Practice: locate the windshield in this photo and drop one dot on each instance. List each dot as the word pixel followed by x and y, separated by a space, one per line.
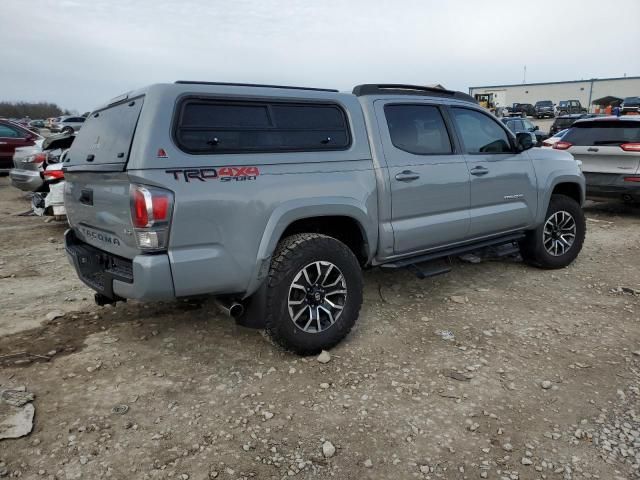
pixel 544 103
pixel 606 132
pixel 632 101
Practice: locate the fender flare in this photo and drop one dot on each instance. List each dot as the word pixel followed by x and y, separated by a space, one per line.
pixel 557 180
pixel 299 209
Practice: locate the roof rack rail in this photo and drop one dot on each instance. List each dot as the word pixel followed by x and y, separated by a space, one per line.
pixel 227 84
pixel 401 89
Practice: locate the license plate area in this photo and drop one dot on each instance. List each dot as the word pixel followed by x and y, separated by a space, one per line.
pixel 98 268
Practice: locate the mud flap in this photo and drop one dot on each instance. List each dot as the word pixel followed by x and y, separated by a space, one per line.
pixel 254 309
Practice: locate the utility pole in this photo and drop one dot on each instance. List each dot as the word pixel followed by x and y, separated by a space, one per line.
pixel 524 76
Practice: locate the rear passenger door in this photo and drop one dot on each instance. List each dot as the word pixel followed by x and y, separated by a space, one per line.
pixel 503 183
pixel 429 178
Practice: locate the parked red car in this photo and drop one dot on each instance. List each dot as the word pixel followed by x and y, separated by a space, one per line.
pixel 12 136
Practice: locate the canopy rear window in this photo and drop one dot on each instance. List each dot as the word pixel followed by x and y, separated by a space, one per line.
pixel 106 135
pixel 605 132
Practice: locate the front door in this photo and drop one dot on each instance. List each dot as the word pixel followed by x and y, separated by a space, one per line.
pixel 429 178
pixel 503 182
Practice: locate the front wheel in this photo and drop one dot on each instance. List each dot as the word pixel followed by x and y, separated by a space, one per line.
pixel 314 293
pixel 558 241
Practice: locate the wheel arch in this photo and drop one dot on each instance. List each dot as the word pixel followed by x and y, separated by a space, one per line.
pixel 342 218
pixel 570 189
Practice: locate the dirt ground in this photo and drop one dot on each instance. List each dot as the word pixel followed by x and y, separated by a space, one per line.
pixel 496 370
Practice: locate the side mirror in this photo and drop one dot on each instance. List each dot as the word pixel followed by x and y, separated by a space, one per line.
pixel 524 141
pixel 536 128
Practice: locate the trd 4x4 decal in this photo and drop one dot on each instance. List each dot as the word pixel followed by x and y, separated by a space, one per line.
pixel 224 174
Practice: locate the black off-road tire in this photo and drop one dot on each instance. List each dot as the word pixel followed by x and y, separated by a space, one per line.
pixel 532 247
pixel 291 256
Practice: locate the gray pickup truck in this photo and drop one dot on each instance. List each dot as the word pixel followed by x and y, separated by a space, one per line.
pixel 274 198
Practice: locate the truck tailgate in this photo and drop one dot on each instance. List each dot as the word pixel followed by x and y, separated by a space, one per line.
pixel 99 211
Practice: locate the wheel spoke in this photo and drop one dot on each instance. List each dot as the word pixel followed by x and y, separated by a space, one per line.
pixel 306 276
pixel 333 305
pixel 335 292
pixel 328 312
pixel 299 314
pixel 564 241
pixel 299 287
pixel 306 327
pixel 326 275
pixel 333 284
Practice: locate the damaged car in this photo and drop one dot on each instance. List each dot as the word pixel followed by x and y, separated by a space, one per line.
pixel 30 163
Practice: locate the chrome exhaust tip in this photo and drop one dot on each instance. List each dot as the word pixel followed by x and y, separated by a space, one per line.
pixel 231 309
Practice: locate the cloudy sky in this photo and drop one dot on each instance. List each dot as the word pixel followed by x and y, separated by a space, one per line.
pixel 79 53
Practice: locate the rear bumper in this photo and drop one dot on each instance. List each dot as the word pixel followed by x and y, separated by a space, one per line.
pixel 26 180
pixel 612 185
pixel 145 277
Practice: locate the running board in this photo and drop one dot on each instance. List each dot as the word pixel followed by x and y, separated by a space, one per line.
pixel 412 261
pixel 432 271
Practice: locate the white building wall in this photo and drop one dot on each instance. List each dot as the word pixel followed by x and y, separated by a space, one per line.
pixel 582 90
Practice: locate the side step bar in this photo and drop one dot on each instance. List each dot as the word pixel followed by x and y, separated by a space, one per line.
pixel 412 262
pixel 429 271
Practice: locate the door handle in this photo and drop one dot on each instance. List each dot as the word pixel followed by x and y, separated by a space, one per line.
pixel 479 171
pixel 407 176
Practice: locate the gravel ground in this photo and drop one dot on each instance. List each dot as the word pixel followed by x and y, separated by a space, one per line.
pixel 496 370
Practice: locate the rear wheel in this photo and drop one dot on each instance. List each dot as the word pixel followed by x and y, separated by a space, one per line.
pixel 67 130
pixel 558 241
pixel 314 293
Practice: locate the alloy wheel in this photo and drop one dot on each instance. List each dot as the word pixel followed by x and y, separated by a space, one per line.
pixel 317 297
pixel 559 233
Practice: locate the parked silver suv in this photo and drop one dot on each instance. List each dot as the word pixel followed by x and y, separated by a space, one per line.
pixel 68 124
pixel 273 198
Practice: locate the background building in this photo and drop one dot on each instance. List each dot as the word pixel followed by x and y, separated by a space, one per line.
pixel 584 90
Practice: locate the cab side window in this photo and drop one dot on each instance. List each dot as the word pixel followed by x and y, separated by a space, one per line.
pixel 480 133
pixel 418 129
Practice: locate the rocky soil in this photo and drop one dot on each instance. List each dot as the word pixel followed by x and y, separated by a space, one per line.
pixel 496 370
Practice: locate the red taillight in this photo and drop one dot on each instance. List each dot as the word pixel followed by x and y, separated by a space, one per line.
pixel 632 179
pixel 53 174
pixel 139 208
pixel 150 206
pixel 562 145
pixel 37 158
pixel 160 207
pixel 630 147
